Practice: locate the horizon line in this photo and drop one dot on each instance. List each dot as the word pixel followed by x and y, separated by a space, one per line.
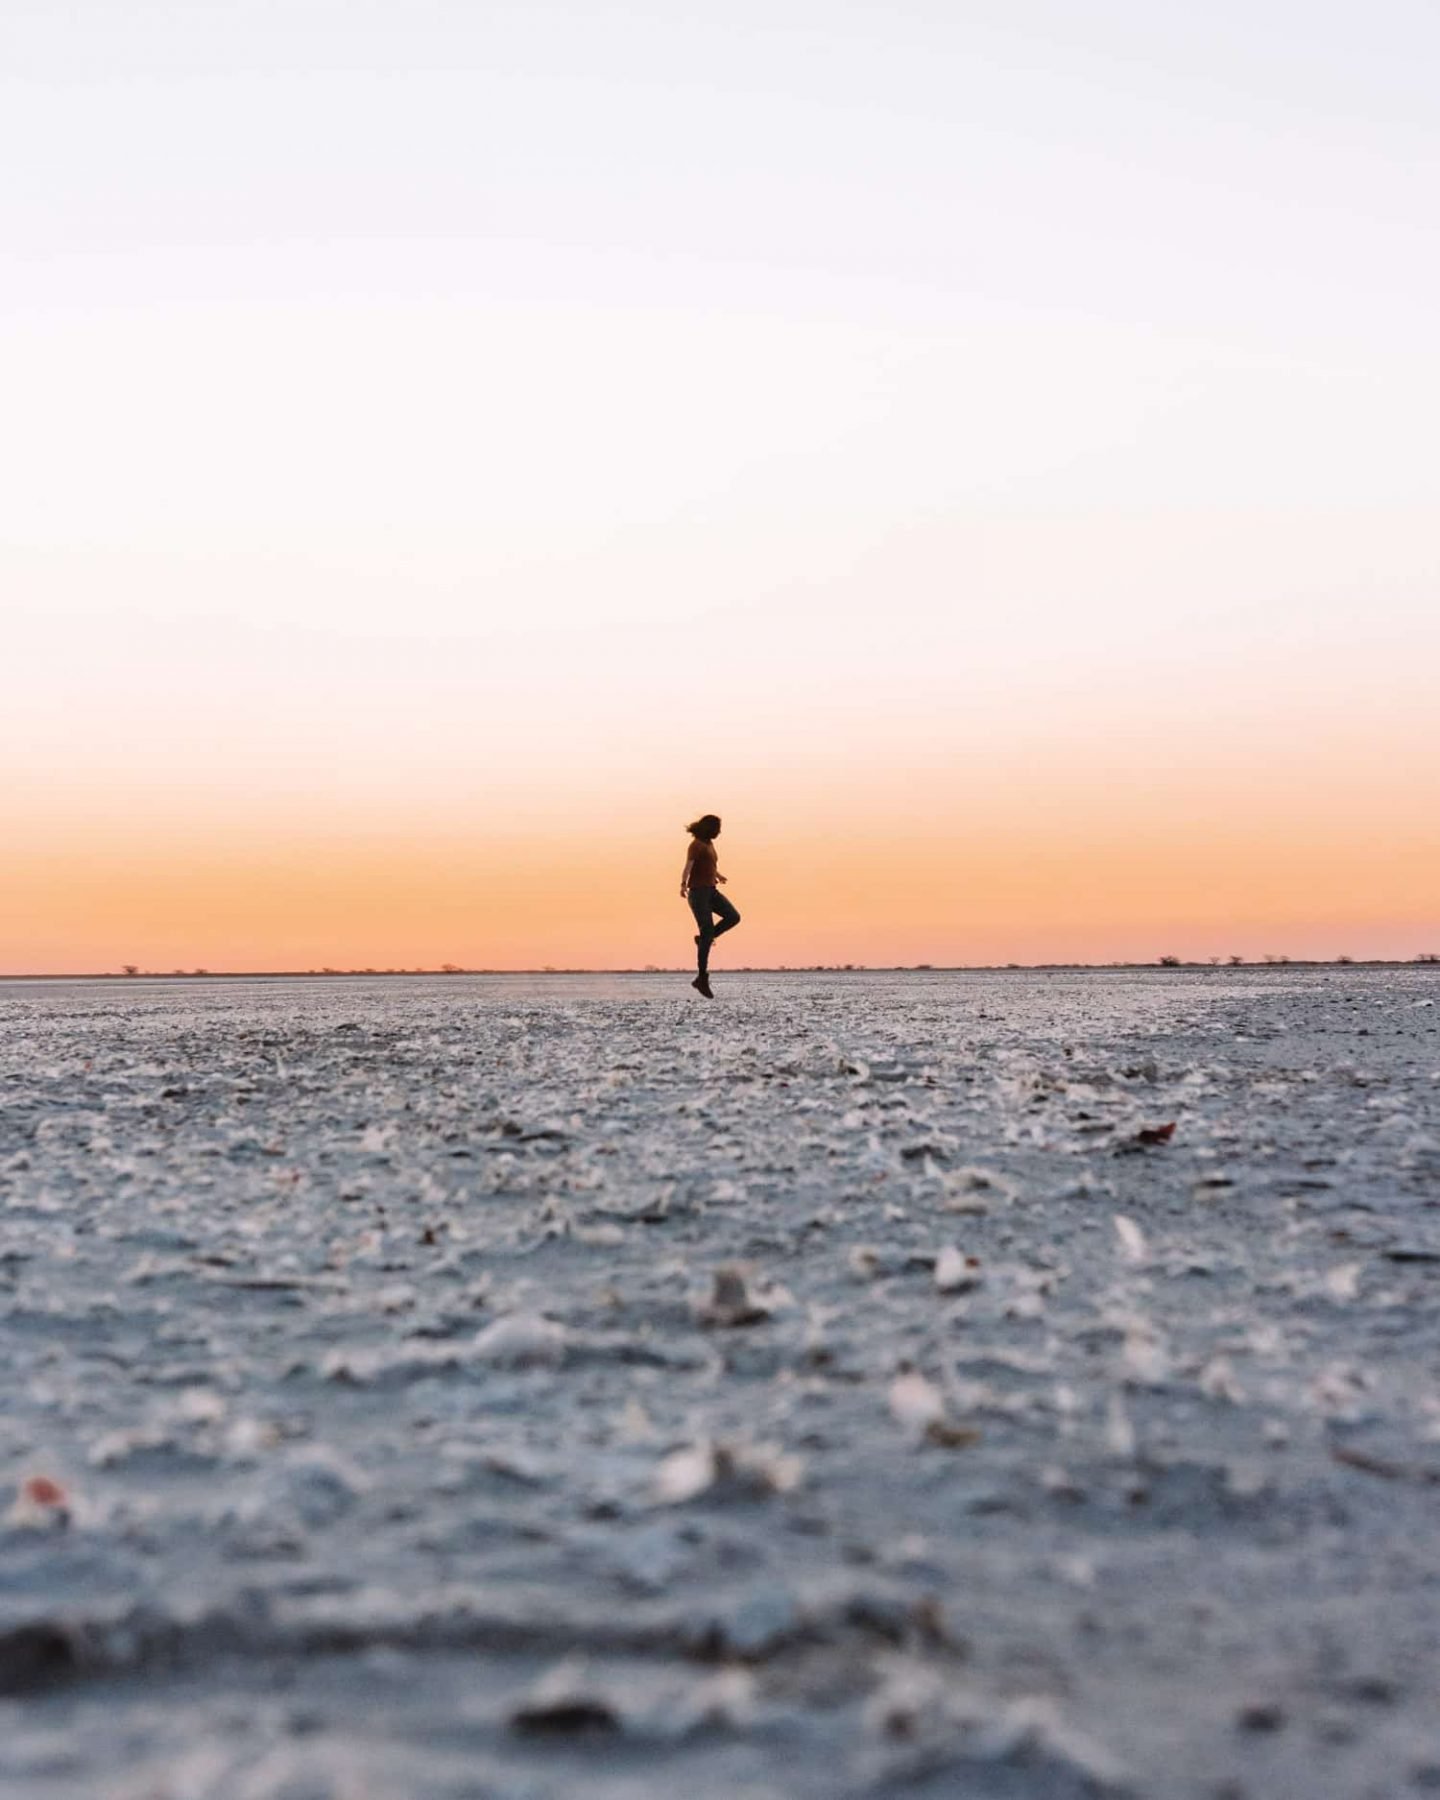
pixel 1423 959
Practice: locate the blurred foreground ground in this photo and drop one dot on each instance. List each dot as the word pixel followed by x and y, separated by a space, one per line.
pixel 516 1388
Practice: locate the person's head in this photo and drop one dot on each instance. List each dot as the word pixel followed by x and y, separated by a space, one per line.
pixel 706 828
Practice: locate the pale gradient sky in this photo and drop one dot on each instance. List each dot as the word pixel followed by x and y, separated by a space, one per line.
pixel 983 450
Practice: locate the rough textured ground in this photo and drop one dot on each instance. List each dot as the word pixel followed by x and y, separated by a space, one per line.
pixel 527 1389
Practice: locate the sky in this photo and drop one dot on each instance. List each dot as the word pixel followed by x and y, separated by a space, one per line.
pixel 982 449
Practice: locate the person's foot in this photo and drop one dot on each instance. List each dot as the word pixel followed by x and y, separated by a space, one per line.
pixel 701 985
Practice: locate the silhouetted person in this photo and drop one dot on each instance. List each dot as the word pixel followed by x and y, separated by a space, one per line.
pixel 700 885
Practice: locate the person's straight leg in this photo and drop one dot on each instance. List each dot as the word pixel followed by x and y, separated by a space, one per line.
pixel 702 904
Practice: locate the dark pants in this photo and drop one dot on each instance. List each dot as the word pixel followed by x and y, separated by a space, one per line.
pixel 706 903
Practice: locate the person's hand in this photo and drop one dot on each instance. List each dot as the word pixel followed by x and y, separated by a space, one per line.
pixel 684 893
pixel 720 878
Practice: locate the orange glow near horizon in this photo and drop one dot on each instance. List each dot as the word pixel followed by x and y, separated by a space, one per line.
pixel 1155 813
pixel 1142 821
pixel 1009 880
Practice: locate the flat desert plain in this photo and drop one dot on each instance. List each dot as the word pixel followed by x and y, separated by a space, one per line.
pixel 525 1388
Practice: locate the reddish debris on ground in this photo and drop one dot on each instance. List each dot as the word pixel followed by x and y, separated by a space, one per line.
pixel 40 1490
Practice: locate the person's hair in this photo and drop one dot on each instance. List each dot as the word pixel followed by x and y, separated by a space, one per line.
pixel 705 827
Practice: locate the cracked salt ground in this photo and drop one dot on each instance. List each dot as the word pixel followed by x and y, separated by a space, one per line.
pixel 524 1388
